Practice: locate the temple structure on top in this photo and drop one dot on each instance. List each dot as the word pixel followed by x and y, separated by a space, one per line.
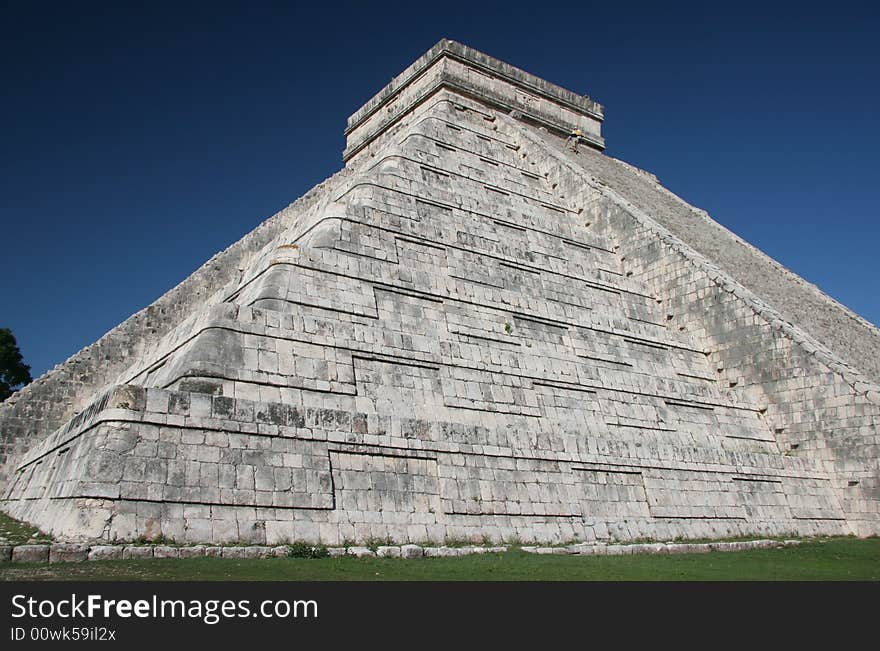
pixel 496 85
pixel 470 331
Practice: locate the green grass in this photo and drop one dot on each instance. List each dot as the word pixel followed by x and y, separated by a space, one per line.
pixel 827 559
pixel 15 532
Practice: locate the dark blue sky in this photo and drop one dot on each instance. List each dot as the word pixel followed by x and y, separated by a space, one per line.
pixel 138 142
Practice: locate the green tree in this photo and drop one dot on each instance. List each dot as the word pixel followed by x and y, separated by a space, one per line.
pixel 14 373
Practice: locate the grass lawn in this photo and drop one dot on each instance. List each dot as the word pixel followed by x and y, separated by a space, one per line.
pixel 825 559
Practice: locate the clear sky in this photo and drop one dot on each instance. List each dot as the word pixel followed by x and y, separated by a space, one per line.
pixel 138 142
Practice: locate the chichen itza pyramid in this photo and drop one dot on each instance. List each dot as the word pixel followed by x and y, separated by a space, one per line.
pixel 469 332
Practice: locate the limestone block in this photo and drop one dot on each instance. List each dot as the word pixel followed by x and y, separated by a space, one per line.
pixel 260 551
pixel 473 549
pixel 68 553
pixel 548 550
pixel 649 548
pixel 361 552
pixel 687 548
pixel 252 551
pixel 442 552
pixel 584 549
pixel 30 554
pixel 724 546
pixel 194 551
pixel 105 553
pixel 411 551
pixel 132 552
pixel 197 530
pixel 165 551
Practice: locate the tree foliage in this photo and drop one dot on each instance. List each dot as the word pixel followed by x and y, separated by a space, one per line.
pixel 14 373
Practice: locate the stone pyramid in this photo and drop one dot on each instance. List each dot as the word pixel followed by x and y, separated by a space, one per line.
pixel 469 332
